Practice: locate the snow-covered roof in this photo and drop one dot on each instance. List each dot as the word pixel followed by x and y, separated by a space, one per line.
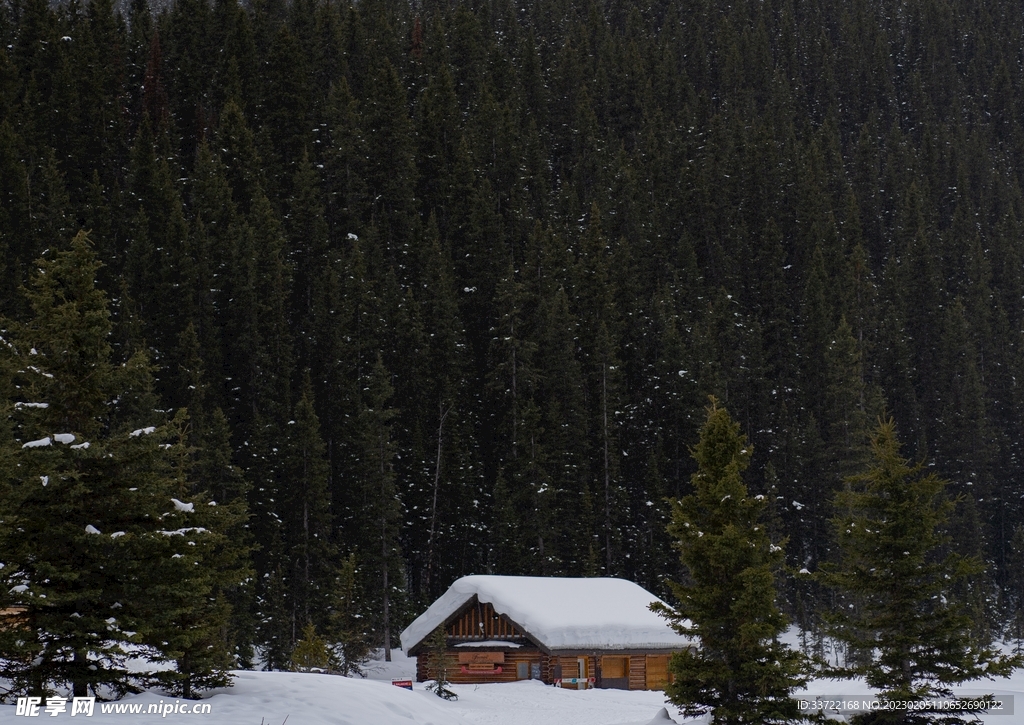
pixel 559 613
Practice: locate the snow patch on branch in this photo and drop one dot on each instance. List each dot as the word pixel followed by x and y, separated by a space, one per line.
pixel 182 532
pixel 182 506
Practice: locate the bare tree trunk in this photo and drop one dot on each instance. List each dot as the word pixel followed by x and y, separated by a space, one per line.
pixel 387 607
pixel 515 395
pixel 607 473
pixel 80 687
pixel 384 560
pixel 437 485
pixel 305 546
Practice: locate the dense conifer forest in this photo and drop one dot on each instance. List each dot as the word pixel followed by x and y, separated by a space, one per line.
pixel 445 286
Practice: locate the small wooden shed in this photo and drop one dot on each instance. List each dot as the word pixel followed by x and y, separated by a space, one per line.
pixel 572 632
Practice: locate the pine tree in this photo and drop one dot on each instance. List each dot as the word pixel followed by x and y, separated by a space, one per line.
pixel 897 582
pixel 153 261
pixel 390 168
pixel 212 474
pixel 512 387
pixel 565 494
pixel 305 509
pixel 15 214
pixel 1015 590
pixel 342 152
pixel 440 662
pixel 740 672
pixel 345 627
pixel 13 645
pixel 380 506
pixel 446 416
pixel 85 538
pixel 311 653
pixel 284 112
pixel 205 560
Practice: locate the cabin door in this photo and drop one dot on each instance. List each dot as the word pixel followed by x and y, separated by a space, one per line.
pixel 581 681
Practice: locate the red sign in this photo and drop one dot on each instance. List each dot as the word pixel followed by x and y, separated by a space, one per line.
pixel 407 684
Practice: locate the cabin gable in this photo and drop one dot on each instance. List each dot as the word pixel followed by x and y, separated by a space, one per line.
pixel 478 622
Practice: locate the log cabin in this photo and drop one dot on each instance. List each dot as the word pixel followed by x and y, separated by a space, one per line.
pixel 12 617
pixel 576 633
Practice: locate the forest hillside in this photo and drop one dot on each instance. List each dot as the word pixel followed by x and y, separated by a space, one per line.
pixel 445 286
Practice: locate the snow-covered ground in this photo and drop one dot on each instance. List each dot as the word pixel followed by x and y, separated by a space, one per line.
pixel 285 698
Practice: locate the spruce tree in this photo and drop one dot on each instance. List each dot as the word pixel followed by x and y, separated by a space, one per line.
pixel 897 581
pixel 200 573
pixel 311 653
pixel 740 672
pixel 440 663
pixel 305 509
pixel 88 548
pixel 448 426
pixel 381 507
pixel 1014 599
pixel 512 385
pixel 345 626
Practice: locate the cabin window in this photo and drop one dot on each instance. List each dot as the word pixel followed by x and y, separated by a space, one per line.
pixel 657 672
pixel 614 672
pixel 614 667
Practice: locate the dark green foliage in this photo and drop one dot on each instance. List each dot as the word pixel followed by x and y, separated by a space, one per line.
pixel 97 550
pixel 376 533
pixel 304 552
pixel 1015 590
pixel 739 671
pixel 559 226
pixel 311 653
pixel 907 625
pixel 440 662
pixel 199 629
pixel 345 629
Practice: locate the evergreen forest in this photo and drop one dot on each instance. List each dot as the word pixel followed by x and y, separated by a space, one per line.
pixel 414 290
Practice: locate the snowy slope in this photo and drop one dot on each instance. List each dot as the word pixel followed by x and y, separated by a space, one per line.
pixel 271 698
pixel 560 612
pixel 310 699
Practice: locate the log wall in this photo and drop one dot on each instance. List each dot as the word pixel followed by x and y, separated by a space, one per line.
pixel 481 622
pixel 474 674
pixel 637 672
pixel 465 674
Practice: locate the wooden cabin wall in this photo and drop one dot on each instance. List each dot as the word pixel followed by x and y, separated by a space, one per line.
pixel 424 670
pixel 637 672
pixel 570 669
pixel 481 622
pixel 563 667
